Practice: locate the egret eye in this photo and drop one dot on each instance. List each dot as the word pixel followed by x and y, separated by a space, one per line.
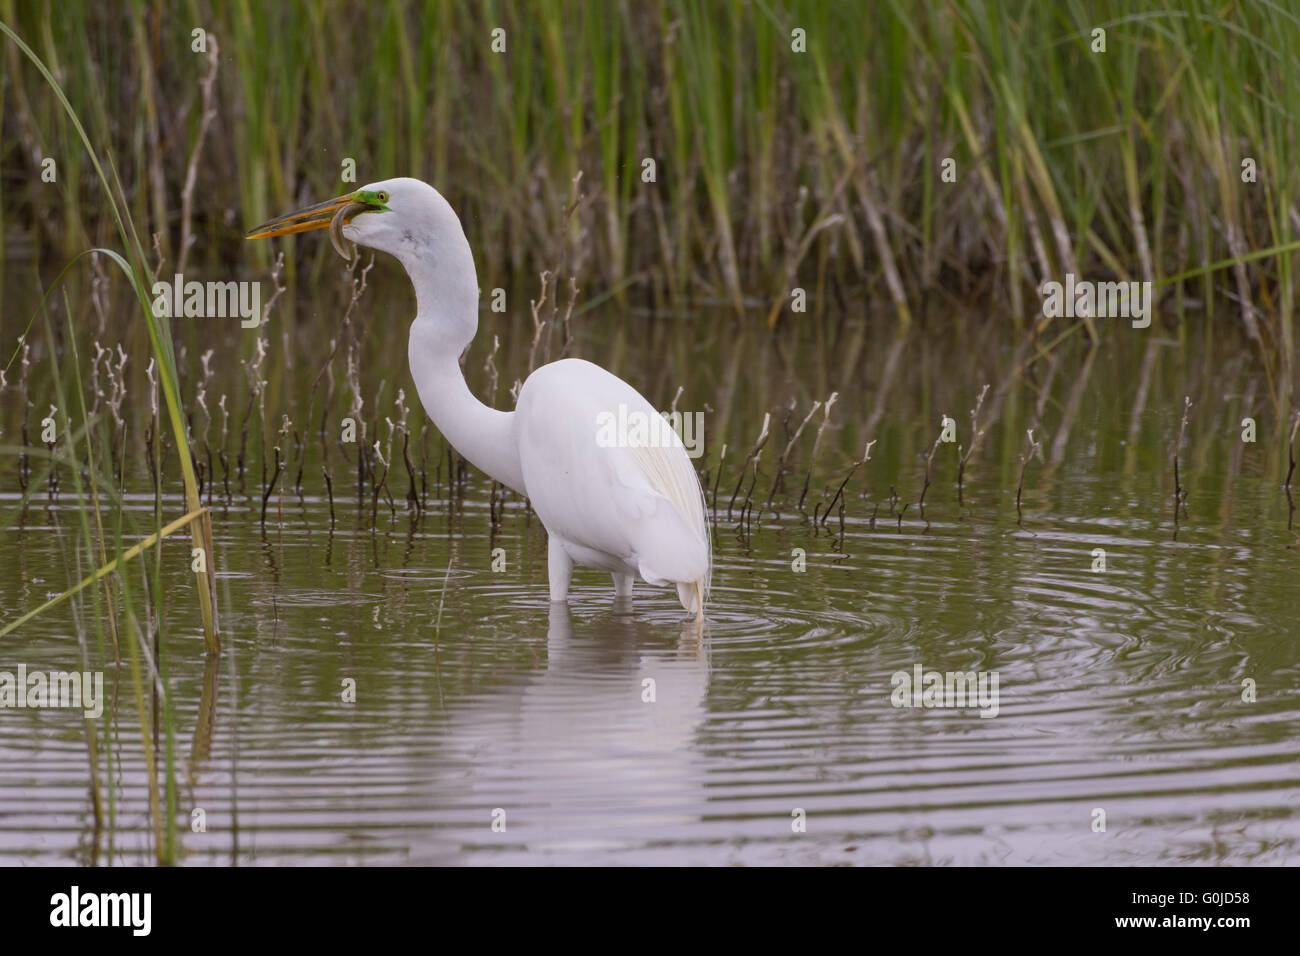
pixel 383 196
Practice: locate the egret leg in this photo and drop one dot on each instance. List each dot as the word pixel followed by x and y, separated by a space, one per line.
pixel 559 567
pixel 622 585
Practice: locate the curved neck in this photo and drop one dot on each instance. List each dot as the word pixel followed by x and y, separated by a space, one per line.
pixel 446 294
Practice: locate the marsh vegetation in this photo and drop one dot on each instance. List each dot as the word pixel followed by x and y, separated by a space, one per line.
pixel 198 521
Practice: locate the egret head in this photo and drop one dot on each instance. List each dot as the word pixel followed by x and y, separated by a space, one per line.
pixel 408 219
pixel 403 217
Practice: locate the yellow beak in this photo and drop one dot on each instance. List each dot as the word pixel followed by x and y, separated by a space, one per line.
pixel 311 218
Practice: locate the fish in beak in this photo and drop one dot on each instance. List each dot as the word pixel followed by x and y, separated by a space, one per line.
pixel 331 214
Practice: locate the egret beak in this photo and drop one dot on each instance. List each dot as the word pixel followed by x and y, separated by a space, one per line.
pixel 311 218
pixel 334 214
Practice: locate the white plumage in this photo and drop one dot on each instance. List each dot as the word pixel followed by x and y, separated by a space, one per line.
pixel 633 509
pixel 627 509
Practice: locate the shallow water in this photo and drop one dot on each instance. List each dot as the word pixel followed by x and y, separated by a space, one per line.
pixel 1118 690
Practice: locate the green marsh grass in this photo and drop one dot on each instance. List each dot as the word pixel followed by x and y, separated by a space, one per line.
pixel 1123 163
pixel 92 492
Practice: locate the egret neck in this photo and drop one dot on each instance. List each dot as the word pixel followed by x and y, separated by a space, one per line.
pixel 633 509
pixel 446 319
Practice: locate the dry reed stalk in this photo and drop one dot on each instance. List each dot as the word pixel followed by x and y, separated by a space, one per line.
pixel 977 433
pixel 839 492
pixel 751 457
pixel 1031 447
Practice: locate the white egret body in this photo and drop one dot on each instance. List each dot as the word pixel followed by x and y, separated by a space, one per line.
pixel 632 508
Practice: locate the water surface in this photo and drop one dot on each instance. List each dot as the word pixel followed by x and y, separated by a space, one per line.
pixel 1119 690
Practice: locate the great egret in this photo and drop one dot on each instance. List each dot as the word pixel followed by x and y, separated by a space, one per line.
pixel 632 507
